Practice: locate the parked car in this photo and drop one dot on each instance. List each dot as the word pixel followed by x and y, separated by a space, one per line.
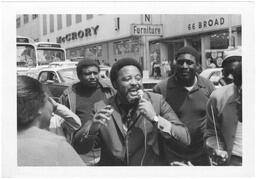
pixel 213 74
pixel 149 83
pixel 104 71
pixel 63 63
pixel 58 79
pixel 76 59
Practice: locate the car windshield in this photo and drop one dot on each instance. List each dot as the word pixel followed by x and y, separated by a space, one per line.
pixel 68 75
pixel 47 56
pixel 26 56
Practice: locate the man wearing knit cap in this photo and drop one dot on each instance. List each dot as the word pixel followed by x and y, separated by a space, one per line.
pixel 223 136
pixel 130 124
pixel 187 93
pixel 80 98
pixel 232 58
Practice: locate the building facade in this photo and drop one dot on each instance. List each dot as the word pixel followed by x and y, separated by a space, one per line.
pixel 211 35
pixel 107 38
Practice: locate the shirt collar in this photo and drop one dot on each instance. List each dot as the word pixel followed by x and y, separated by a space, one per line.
pixel 172 83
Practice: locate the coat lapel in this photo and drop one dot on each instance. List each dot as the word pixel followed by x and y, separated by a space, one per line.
pixel 117 118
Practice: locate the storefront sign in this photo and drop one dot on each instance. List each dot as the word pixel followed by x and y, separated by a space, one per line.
pixel 215 22
pixel 87 32
pixel 146 29
pixel 146 19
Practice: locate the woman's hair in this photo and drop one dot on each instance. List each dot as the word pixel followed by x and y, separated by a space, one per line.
pixel 30 98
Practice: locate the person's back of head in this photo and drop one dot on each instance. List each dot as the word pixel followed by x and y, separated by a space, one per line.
pixel 30 98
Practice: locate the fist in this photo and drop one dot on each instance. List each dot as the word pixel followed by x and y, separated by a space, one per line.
pixel 102 117
pixel 146 108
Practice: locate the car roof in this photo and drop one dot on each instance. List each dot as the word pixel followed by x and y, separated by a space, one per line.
pixel 150 80
pixel 208 71
pixel 58 68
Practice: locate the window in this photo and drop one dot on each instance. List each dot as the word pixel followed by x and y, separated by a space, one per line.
pixel 93 52
pixel 68 20
pixel 43 77
pixel 34 16
pixel 219 40
pixel 59 21
pixel 78 18
pixel 18 22
pixel 25 18
pixel 89 16
pixel 51 23
pixel 126 47
pixel 44 25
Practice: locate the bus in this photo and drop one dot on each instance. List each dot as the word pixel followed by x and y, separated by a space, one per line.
pixel 33 56
pixel 48 52
pixel 26 54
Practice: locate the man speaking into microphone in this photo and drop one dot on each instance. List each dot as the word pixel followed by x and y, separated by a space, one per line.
pixel 131 124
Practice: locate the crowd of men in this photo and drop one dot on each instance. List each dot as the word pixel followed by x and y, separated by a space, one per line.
pixel 184 121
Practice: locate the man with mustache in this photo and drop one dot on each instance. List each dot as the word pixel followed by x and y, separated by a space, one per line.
pixel 80 98
pixel 130 123
pixel 224 118
pixel 187 93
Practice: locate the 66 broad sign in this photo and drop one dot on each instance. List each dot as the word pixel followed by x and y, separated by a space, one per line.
pixel 146 29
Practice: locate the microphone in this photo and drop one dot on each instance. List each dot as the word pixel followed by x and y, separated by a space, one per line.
pixel 140 93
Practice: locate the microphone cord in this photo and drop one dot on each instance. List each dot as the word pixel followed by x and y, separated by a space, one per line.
pixel 145 142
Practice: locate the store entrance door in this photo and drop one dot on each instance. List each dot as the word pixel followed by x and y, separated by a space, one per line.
pixel 195 42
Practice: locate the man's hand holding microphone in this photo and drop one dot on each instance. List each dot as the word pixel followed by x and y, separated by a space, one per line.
pixel 146 109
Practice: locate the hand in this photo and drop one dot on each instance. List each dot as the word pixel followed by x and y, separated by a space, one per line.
pixel 218 157
pixel 102 117
pixel 54 104
pixel 146 108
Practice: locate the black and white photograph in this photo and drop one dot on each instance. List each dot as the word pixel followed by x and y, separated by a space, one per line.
pixel 129 94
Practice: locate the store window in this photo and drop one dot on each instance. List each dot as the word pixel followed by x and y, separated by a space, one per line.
pixel 68 19
pixel 51 23
pixel 219 40
pixel 18 22
pixel 59 21
pixel 126 47
pixel 93 52
pixel 78 18
pixel 25 16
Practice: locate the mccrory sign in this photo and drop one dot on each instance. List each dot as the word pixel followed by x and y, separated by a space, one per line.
pixel 87 32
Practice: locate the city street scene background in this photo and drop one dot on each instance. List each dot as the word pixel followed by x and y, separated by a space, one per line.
pixel 52 47
pixel 145 37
